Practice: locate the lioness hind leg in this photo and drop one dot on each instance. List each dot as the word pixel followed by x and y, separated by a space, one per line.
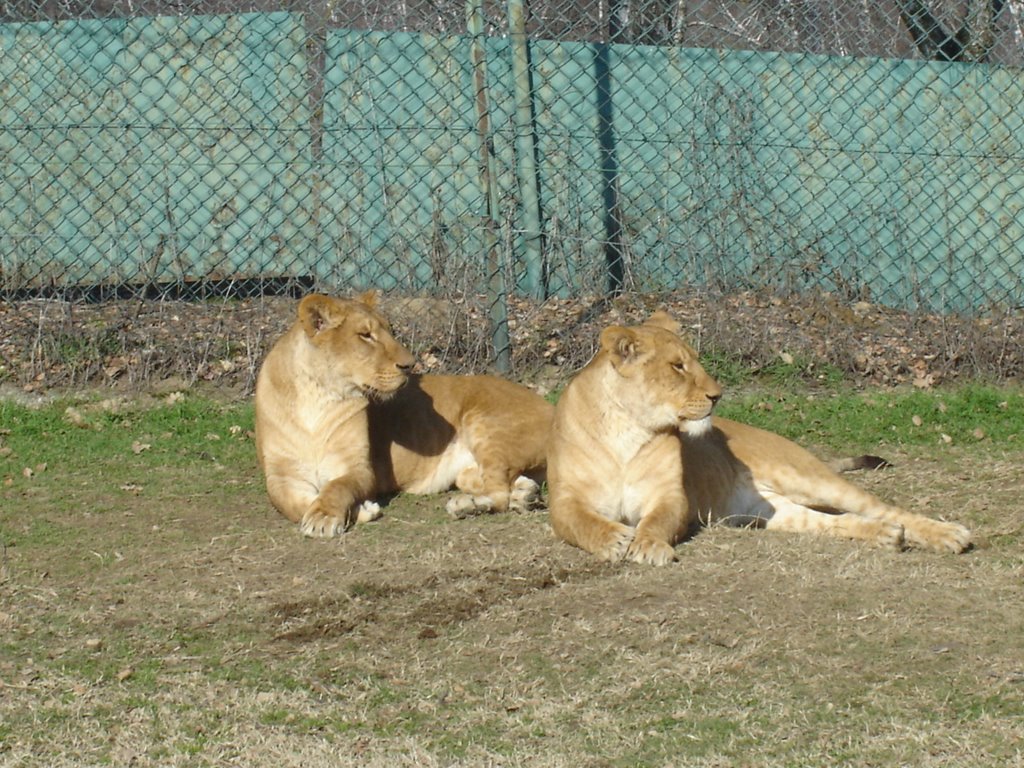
pixel 787 515
pixel 817 486
pixel 525 495
pixel 484 490
pixel 918 530
pixel 921 531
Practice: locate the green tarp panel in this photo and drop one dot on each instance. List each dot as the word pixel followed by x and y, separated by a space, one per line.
pixel 154 149
pixel 185 148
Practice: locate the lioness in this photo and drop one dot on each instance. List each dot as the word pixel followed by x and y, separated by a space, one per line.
pixel 637 461
pixel 340 420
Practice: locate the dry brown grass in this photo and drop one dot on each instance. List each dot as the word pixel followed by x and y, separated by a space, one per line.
pixel 189 625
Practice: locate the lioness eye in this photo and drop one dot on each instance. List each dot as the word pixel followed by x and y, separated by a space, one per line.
pixel 367 336
pixel 679 367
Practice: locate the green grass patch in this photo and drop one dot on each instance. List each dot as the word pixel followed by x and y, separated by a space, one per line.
pixel 965 415
pixel 791 370
pixel 286 717
pixel 194 430
pixel 69 436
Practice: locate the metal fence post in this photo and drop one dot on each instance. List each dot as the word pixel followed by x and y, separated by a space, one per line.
pixel 526 153
pixel 496 288
pixel 614 261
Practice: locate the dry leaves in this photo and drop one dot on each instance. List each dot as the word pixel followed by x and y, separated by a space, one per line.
pixel 923 379
pixel 162 341
pixel 76 418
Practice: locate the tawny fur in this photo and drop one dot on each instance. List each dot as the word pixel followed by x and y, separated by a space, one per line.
pixel 479 434
pixel 637 462
pixel 340 422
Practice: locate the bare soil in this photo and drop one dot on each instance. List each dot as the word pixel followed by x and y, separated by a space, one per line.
pixel 188 624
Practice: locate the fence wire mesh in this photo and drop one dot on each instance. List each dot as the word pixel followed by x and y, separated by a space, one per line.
pixel 869 149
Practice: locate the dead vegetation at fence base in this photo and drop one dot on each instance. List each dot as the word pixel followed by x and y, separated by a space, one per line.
pixel 139 344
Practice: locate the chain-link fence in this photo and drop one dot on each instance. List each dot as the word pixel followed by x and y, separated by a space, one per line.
pixel 874 150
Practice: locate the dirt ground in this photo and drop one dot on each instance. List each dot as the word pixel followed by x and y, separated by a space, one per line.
pixel 187 624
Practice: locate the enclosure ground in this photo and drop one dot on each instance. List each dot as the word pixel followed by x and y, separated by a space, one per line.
pixel 155 611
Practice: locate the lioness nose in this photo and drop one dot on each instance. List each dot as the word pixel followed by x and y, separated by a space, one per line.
pixel 405 367
pixel 714 397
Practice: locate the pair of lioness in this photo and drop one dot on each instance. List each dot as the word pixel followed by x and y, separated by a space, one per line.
pixel 633 456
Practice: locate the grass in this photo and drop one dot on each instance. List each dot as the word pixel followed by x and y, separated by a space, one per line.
pixel 111 436
pixel 968 414
pixel 790 371
pixel 155 611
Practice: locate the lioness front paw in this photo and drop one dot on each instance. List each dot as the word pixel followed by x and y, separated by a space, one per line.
pixel 317 525
pixel 617 543
pixel 463 505
pixel 525 495
pixel 651 551
pixel 938 535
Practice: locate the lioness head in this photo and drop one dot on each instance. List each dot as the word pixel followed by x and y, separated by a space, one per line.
pixel 352 347
pixel 663 383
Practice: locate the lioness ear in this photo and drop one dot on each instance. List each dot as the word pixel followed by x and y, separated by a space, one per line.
pixel 621 343
pixel 317 312
pixel 369 298
pixel 662 319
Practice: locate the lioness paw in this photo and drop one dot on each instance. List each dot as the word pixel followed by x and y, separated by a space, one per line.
pixel 525 495
pixel 617 544
pixel 651 552
pixel 938 535
pixel 317 525
pixel 463 505
pixel 890 535
pixel 368 512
